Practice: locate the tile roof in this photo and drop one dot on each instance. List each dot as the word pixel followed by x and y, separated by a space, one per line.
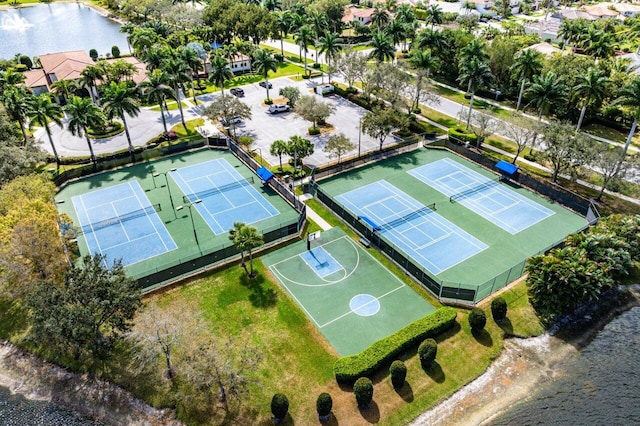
pixel 65 65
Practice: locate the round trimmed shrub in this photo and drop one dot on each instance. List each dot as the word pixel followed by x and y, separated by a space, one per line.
pixel 115 51
pixel 93 53
pixel 477 320
pixel 268 101
pixel 398 374
pixel 314 131
pixel 324 404
pixel 499 309
pixel 279 406
pixel 26 61
pixel 427 352
pixel 363 389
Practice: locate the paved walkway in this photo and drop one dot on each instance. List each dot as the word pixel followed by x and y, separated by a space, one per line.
pixel 313 215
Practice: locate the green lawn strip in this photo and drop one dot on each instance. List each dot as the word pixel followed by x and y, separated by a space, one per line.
pixel 611 134
pixel 171 106
pixel 191 127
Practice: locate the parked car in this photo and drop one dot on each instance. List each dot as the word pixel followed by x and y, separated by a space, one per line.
pixel 236 91
pixel 230 121
pixel 276 109
pixel 264 84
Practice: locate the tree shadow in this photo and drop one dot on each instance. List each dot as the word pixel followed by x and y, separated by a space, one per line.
pixel 333 420
pixel 483 337
pixel 262 296
pixel 405 392
pixel 506 326
pixel 435 372
pixel 371 414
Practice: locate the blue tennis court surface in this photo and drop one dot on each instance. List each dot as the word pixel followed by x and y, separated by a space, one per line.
pixel 120 222
pixel 320 262
pixel 500 205
pixel 431 240
pixel 226 196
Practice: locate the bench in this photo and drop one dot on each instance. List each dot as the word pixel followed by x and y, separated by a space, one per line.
pixel 365 242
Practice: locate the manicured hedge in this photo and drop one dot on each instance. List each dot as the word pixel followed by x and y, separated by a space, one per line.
pixel 348 369
pixel 462 136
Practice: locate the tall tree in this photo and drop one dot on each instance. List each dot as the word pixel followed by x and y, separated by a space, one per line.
pixel 630 98
pixel 64 88
pixel 247 238
pixel 338 145
pixel 423 62
pixel 220 72
pixel 547 90
pixel 157 89
pixel 83 113
pixel 90 313
pixel 382 47
pixel 194 61
pixel 265 62
pixel 434 15
pixel 379 123
pixel 299 148
pixel 178 73
pixel 565 149
pixel 591 90
pixel 527 64
pixel 318 22
pixel 15 100
pixel 476 73
pixel 380 17
pixel 41 110
pixel 330 45
pixel 475 49
pixel 283 20
pixel 89 78
pixel 120 101
pixel 352 65
pixel 311 109
pixel 303 38
pixel 279 148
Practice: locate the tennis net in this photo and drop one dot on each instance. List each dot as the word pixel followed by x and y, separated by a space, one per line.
pixel 95 226
pixel 468 192
pixel 217 190
pixel 398 221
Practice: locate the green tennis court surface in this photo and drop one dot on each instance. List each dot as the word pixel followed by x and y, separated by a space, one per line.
pixel 352 299
pixel 513 222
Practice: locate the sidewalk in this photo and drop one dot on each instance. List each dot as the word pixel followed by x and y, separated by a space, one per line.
pixel 313 215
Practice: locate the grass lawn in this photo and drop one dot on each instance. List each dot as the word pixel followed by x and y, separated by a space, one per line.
pixel 611 134
pixel 190 130
pixel 171 106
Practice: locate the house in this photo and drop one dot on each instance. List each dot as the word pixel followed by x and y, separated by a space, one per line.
pixel 353 13
pixel 544 48
pixel 36 80
pixel 240 63
pixel 546 30
pixel 626 10
pixel 598 11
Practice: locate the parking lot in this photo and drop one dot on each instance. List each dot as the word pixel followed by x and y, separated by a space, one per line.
pixel 266 128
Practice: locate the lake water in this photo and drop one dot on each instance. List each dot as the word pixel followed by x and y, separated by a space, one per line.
pixel 52 28
pixel 15 410
pixel 600 385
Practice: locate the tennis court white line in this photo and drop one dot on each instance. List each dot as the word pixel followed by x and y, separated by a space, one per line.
pixel 148 216
pixel 351 312
pixel 298 255
pixel 93 232
pixel 277 273
pixel 335 261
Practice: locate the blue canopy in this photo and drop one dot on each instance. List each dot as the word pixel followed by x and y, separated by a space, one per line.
pixel 215 45
pixel 264 174
pixel 369 222
pixel 506 168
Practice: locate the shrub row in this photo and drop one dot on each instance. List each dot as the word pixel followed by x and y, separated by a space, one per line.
pixel 461 135
pixel 348 369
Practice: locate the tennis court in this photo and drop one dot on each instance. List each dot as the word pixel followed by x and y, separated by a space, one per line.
pixel 120 222
pixel 486 197
pixel 223 196
pixel 348 295
pixel 415 228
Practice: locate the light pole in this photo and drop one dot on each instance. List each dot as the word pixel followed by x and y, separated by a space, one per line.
pixel 166 179
pixel 193 225
pixel 260 153
pixel 359 135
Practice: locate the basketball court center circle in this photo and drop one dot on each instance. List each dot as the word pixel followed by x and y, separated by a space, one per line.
pixel 364 305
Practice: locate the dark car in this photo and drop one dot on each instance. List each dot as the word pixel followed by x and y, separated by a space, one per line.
pixel 264 84
pixel 236 91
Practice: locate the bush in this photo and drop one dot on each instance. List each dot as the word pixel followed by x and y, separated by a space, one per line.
pixel 398 373
pixel 427 353
pixel 278 57
pixel 115 51
pixel 268 101
pixel 93 53
pixel 111 129
pixel 363 389
pixel 461 135
pixel 316 65
pixel 498 309
pixel 314 131
pixel 26 61
pixel 245 140
pixel 324 404
pixel 367 362
pixel 279 406
pixel 20 67
pixel 477 320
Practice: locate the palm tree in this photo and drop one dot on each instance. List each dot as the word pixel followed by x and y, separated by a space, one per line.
pixel 120 101
pixel 41 110
pixel 246 238
pixel 89 78
pixel 396 31
pixel 283 22
pixel 10 78
pixel 434 15
pixel 379 17
pixel 598 43
pixel 178 72
pixel 142 39
pixel 318 22
pixel 191 58
pixel 83 113
pixel 407 17
pixel 279 148
pixel 331 46
pixel 571 30
pixel 476 73
pixel 64 88
pixel 475 49
pixel 547 90
pixel 591 90
pixel 431 39
pixel 154 58
pixel 424 62
pixel 382 47
pixel 272 5
pixel 527 64
pixel 14 99
pixel 265 62
pixel 303 38
pixel 220 72
pixel 630 97
pixel 157 89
